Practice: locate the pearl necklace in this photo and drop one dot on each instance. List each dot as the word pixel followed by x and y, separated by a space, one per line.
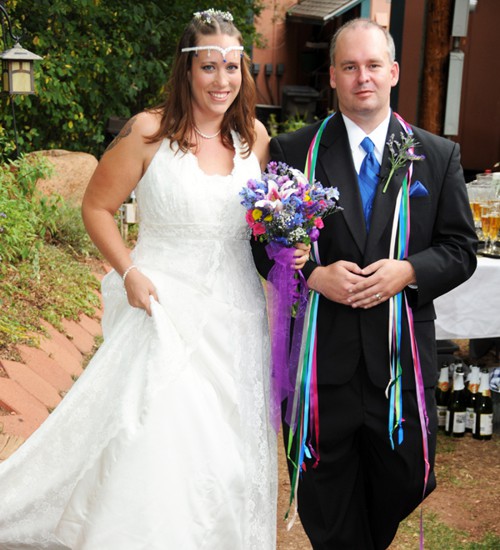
pixel 206 136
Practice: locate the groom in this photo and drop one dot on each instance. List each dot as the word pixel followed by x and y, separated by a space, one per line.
pixel 362 487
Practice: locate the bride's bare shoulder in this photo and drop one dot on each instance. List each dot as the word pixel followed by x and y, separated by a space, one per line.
pixel 135 136
pixel 146 123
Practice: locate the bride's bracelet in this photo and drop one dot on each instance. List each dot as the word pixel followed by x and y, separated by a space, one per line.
pixel 127 271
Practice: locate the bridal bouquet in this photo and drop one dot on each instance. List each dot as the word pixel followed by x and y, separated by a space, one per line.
pixel 283 209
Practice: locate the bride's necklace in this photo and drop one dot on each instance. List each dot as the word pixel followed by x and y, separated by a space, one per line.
pixel 206 136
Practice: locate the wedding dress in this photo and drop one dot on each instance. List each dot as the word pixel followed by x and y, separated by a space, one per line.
pixel 164 442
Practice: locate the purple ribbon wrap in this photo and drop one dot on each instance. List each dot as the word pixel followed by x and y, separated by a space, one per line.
pixel 285 287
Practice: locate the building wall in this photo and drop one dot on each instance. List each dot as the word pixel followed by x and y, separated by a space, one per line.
pixel 411 60
pixel 479 129
pixel 479 125
pixel 275 48
pixel 380 11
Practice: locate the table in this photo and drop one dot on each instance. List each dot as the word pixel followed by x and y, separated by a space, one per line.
pixel 471 310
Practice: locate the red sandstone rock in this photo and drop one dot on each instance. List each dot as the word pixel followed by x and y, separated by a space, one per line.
pixel 72 172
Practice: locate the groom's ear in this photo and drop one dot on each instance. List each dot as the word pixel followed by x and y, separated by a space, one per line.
pixel 394 73
pixel 333 82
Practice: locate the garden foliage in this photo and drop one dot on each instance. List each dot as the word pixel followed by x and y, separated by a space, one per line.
pixel 43 250
pixel 100 58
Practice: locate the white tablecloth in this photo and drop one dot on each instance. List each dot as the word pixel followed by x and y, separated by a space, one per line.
pixel 472 310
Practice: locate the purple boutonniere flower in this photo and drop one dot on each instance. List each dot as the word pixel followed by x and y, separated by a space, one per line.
pixel 400 153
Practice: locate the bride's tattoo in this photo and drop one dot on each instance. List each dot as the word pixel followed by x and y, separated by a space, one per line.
pixel 124 132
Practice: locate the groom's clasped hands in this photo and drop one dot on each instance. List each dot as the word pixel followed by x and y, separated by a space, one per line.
pixel 349 284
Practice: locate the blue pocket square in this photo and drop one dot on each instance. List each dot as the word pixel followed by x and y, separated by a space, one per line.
pixel 417 189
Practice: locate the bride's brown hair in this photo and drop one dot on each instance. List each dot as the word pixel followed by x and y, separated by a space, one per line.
pixel 176 110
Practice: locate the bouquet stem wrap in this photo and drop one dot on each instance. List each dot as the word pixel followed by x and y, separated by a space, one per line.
pixel 285 288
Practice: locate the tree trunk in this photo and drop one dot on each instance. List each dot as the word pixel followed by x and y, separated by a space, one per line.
pixel 435 73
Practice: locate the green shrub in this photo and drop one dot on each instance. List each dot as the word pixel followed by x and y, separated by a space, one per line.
pixel 26 216
pixel 289 125
pixel 70 232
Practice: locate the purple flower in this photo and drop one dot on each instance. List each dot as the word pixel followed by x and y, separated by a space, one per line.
pixel 314 234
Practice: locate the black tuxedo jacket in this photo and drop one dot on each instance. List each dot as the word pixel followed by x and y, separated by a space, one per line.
pixel 442 248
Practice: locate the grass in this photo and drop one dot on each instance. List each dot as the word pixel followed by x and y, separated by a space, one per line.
pixel 439 536
pixel 467 473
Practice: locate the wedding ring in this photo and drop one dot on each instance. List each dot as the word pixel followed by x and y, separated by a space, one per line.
pixel 378 296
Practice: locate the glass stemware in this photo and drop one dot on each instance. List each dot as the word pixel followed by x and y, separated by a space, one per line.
pixel 480 195
pixel 474 205
pixel 494 227
pixel 485 209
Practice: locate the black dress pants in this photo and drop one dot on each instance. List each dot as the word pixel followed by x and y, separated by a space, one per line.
pixel 362 488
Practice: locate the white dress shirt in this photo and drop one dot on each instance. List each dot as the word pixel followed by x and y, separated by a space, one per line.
pixel 356 136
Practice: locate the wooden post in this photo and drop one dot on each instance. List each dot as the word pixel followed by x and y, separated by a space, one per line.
pixel 435 74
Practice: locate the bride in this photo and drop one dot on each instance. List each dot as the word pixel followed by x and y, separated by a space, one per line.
pixel 165 442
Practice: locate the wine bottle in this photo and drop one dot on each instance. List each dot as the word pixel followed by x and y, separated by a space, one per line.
pixel 472 390
pixel 443 394
pixel 455 414
pixel 483 425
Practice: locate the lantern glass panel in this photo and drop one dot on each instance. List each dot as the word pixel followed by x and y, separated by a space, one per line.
pixel 21 82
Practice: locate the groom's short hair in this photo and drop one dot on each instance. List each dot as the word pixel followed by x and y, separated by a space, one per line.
pixel 364 23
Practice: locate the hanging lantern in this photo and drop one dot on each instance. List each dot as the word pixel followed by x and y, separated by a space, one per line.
pixel 17 70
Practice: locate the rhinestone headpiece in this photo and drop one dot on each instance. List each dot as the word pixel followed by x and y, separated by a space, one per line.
pixel 222 51
pixel 207 15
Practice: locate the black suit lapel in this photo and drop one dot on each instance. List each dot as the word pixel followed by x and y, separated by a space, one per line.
pixel 385 203
pixel 336 169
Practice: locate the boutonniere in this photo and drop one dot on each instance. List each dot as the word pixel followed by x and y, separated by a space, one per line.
pixel 400 153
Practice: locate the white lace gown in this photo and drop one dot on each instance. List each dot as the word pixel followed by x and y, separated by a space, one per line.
pixel 164 442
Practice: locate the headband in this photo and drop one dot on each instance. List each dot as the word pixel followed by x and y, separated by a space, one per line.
pixel 222 51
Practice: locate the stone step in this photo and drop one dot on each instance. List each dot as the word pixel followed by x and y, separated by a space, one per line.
pixel 90 325
pixel 27 412
pixel 40 363
pixel 46 373
pixel 56 347
pixel 83 340
pixel 32 382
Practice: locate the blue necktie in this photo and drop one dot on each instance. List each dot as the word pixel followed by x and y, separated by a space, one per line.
pixel 368 179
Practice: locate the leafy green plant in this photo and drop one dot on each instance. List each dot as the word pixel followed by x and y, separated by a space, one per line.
pixel 70 233
pixel 7 145
pixel 26 215
pixel 289 125
pixel 43 248
pixel 99 59
pixel 294 123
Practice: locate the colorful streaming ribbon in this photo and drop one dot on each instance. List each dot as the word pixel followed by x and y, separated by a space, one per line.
pixel 302 412
pixel 400 238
